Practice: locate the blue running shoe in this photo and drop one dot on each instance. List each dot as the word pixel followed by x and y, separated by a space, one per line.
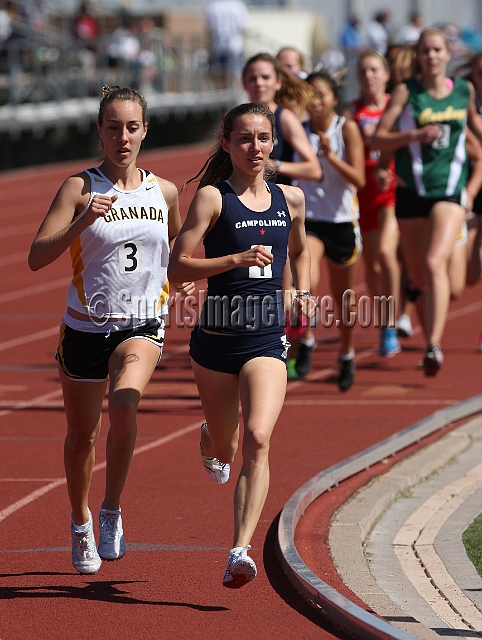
pixel 389 343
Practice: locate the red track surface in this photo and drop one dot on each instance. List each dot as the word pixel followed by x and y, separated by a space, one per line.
pixel 178 523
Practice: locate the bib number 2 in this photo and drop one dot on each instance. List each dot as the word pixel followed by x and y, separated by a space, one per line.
pixel 130 257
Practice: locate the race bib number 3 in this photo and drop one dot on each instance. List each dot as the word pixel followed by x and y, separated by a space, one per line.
pixel 258 272
pixel 130 254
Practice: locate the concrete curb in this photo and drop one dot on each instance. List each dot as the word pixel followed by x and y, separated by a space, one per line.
pixel 330 602
pixel 354 521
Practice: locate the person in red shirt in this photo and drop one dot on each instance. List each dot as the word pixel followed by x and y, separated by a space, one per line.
pixel 378 223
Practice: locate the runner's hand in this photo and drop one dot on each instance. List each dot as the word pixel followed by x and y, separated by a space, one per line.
pixel 255 257
pixel 99 207
pixel 185 288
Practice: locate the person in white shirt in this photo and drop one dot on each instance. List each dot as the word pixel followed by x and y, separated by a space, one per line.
pixel 227 21
pixel 377 32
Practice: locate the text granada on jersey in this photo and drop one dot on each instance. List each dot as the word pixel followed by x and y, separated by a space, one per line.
pixel 132 213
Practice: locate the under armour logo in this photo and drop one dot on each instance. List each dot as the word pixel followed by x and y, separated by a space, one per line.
pixel 281 213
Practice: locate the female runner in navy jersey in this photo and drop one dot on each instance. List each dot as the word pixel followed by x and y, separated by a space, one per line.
pixel 118 221
pixel 263 78
pixel 238 349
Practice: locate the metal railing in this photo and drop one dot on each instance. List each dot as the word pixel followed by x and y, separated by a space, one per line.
pixel 35 68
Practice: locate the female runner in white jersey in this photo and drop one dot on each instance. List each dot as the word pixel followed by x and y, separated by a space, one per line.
pixel 247 225
pixel 118 222
pixel 332 207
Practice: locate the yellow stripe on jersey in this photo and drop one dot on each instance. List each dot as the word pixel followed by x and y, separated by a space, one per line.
pixel 164 295
pixel 354 206
pixel 78 268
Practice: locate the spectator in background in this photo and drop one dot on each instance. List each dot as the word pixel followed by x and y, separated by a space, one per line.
pixel 410 33
pixel 351 38
pixel 452 33
pixel 147 35
pixel 123 45
pixel 86 31
pixel 227 21
pixel 5 26
pixel 459 51
pixel 86 28
pixel 332 61
pixel 378 32
pixel 292 61
pixel 472 39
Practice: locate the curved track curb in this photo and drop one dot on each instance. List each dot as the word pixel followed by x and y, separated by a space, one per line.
pixel 331 603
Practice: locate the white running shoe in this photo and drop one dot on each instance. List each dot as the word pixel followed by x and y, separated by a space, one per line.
pixel 84 552
pixel 432 360
pixel 240 568
pixel 111 541
pixel 404 326
pixel 217 470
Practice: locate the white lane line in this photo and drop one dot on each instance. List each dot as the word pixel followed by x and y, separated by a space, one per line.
pixel 154 403
pixel 27 404
pixel 4 513
pixel 14 258
pixel 414 547
pixel 33 337
pixel 28 479
pixel 28 292
pixel 31 497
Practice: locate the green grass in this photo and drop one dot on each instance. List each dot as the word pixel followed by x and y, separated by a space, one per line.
pixel 472 539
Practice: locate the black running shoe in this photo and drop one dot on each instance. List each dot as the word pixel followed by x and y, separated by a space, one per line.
pixel 346 374
pixel 303 360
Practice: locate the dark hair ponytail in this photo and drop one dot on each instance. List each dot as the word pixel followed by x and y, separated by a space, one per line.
pixel 218 166
pixel 327 78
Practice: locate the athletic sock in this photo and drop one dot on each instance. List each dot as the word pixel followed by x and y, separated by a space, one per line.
pixel 344 357
pixel 81 528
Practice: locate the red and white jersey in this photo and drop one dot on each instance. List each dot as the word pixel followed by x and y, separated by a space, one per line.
pixel 367 118
pixel 120 261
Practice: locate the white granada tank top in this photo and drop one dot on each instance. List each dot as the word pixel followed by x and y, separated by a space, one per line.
pixel 120 261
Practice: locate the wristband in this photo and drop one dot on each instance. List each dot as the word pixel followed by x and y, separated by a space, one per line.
pixel 277 163
pixel 298 294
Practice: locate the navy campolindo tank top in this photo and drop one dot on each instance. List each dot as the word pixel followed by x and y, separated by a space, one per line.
pixel 247 299
pixel 281 149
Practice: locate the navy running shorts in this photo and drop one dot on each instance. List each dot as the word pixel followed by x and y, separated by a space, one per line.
pixel 85 356
pixel 229 353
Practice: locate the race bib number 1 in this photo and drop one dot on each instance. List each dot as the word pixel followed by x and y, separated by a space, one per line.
pixel 130 257
pixel 258 272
